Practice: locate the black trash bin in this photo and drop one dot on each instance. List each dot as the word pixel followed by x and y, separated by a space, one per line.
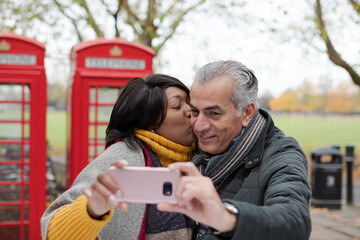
pixel 326 178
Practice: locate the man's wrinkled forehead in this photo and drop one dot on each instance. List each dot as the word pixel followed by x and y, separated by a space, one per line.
pixel 206 108
pixel 219 83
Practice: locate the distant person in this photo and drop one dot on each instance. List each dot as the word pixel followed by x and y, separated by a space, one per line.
pixel 149 126
pixel 254 183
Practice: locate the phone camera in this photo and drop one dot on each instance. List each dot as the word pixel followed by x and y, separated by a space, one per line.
pixel 167 189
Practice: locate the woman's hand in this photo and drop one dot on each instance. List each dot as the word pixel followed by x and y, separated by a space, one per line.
pixel 199 200
pixel 103 192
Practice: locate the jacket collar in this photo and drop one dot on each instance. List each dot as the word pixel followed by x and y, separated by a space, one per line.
pixel 255 156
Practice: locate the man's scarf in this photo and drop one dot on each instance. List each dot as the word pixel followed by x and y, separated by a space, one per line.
pixel 218 166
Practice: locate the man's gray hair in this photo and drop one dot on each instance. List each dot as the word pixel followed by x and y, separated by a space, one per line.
pixel 245 83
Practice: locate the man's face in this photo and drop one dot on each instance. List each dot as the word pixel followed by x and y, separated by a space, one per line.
pixel 213 115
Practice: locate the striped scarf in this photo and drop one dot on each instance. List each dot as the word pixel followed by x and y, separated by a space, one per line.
pixel 218 166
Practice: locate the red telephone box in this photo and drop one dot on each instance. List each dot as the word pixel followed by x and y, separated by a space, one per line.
pixel 100 69
pixel 22 136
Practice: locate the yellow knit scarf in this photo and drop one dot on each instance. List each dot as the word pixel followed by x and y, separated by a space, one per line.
pixel 166 150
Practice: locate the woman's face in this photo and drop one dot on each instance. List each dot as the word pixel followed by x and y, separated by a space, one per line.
pixel 176 125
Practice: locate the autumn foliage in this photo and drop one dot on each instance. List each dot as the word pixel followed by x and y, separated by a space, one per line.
pixel 344 98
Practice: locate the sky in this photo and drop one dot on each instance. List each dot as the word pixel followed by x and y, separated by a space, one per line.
pixel 278 64
pixel 280 60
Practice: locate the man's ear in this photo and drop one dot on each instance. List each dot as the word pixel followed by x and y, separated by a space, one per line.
pixel 248 113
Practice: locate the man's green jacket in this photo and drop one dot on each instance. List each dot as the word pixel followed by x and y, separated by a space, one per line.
pixel 270 190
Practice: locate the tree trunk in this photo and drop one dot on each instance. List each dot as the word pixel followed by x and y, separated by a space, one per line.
pixel 334 56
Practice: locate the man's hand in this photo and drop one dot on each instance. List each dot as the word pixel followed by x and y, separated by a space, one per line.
pixel 102 194
pixel 199 200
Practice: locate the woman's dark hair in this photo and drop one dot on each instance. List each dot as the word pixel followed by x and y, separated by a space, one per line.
pixel 141 105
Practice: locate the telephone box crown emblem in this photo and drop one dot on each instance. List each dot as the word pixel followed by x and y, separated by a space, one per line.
pixel 115 51
pixel 4 45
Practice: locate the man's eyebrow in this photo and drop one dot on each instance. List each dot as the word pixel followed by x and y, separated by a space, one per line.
pixel 215 107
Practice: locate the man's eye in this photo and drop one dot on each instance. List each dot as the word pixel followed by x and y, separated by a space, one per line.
pixel 215 114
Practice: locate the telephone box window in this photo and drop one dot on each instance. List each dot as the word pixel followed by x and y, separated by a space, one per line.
pixel 17 59
pixel 114 63
pixel 22 137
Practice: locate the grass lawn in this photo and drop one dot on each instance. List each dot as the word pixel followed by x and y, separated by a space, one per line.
pixel 56 132
pixel 319 131
pixel 310 131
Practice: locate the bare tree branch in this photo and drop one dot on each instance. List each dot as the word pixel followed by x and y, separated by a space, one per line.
pixel 130 12
pixel 132 25
pixel 133 21
pixel 151 12
pixel 334 56
pixel 90 19
pixel 106 7
pixel 116 18
pixel 114 15
pixel 158 22
pixel 170 10
pixel 176 23
pixel 73 20
pixel 148 27
pixel 356 5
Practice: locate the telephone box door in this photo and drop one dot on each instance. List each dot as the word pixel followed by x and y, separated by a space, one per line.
pixel 22 137
pixel 101 68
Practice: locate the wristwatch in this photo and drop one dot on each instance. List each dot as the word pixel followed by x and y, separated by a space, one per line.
pixel 231 209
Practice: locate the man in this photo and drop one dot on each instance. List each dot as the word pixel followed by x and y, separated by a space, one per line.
pixel 255 179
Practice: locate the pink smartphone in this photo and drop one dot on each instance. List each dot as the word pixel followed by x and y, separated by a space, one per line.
pixel 146 184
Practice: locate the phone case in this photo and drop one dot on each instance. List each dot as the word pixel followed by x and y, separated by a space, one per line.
pixel 146 184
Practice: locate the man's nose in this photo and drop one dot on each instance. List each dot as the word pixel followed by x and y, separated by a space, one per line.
pixel 201 125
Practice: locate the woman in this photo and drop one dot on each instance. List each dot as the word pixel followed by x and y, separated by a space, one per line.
pixel 149 126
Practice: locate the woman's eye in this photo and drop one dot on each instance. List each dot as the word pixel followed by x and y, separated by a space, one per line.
pixel 194 113
pixel 176 107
